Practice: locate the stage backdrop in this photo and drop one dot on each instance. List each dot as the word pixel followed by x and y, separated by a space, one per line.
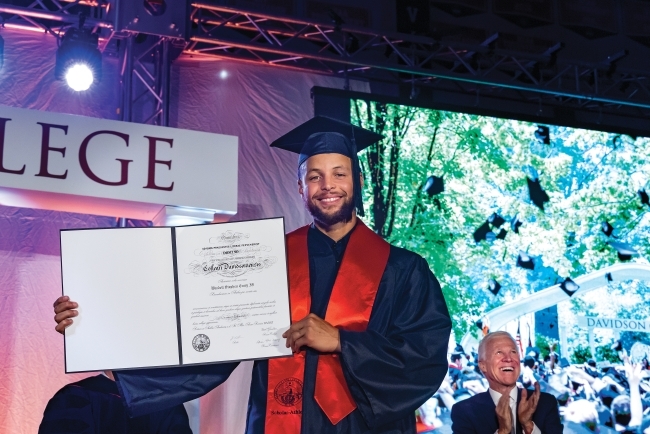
pixel 257 104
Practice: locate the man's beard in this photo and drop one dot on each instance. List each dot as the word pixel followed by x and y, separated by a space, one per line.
pixel 344 214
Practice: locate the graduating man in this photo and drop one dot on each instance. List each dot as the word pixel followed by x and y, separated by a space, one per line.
pixel 369 329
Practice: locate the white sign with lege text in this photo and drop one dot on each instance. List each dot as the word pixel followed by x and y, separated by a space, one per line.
pixel 99 158
pixel 636 325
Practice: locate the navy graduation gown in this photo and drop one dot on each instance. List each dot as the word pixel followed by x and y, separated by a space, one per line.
pixel 93 406
pixel 391 368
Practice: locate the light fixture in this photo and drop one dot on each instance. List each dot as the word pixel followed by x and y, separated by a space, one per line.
pixel 78 60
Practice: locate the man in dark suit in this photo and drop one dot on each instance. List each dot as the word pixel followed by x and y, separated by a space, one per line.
pixel 505 409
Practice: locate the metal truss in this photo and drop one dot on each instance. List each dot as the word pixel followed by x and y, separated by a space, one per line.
pixel 145 67
pixel 52 16
pixel 337 49
pixel 145 81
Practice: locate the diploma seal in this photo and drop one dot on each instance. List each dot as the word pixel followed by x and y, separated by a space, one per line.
pixel 288 392
pixel 201 343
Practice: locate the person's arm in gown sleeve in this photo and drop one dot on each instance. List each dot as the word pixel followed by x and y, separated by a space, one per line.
pixel 149 390
pixel 401 359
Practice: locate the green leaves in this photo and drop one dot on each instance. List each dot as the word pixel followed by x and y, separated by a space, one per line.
pixel 589 176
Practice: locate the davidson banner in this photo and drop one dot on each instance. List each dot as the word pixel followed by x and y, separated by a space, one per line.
pixel 636 325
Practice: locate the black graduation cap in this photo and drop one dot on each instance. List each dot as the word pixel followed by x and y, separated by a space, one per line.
pixel 515 224
pixel 643 195
pixel 537 194
pixel 479 324
pixel 482 233
pixel 617 346
pixel 434 185
pixel 525 261
pixel 496 220
pixel 543 134
pixel 494 286
pixel 624 251
pixel 324 135
pixel 502 234
pixel 607 228
pixel 569 286
pixel 608 277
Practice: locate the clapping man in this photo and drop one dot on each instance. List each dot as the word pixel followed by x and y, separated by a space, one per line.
pixel 505 409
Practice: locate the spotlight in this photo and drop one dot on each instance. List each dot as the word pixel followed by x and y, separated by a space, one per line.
pixel 223 74
pixel 78 60
pixel 2 51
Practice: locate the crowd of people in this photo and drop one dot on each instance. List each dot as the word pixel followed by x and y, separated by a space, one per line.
pixel 593 397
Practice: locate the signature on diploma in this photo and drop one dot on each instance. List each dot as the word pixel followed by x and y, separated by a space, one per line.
pixel 268 342
pixel 235 339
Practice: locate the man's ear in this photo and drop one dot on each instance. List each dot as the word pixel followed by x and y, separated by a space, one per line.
pixel 300 187
pixel 481 366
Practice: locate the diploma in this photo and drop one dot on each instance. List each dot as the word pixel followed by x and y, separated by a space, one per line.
pixel 154 297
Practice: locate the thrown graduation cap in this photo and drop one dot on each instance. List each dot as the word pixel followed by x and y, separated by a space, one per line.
pixel 569 286
pixel 323 135
pixel 496 220
pixel 645 199
pixel 515 224
pixel 617 346
pixel 607 228
pixel 434 185
pixel 494 286
pixel 608 277
pixel 502 234
pixel 483 233
pixel 543 134
pixel 537 194
pixel 624 251
pixel 525 261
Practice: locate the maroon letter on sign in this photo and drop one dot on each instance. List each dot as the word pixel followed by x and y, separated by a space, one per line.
pixel 3 123
pixel 151 176
pixel 45 150
pixel 83 160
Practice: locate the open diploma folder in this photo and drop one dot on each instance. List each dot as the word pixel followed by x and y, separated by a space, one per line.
pixel 159 296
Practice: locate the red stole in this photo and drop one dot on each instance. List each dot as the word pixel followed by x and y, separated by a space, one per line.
pixel 353 296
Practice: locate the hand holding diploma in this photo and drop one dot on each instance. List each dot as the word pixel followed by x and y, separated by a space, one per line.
pixel 311 331
pixel 315 333
pixel 64 312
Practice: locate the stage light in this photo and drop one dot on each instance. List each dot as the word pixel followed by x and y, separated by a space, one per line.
pixel 2 52
pixel 78 60
pixel 223 74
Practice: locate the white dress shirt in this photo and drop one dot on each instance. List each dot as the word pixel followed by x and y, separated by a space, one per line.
pixel 496 396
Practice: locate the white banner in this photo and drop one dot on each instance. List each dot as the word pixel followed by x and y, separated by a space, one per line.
pixel 99 158
pixel 614 323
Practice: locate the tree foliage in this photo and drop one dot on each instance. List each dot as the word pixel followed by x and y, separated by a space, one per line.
pixel 590 176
